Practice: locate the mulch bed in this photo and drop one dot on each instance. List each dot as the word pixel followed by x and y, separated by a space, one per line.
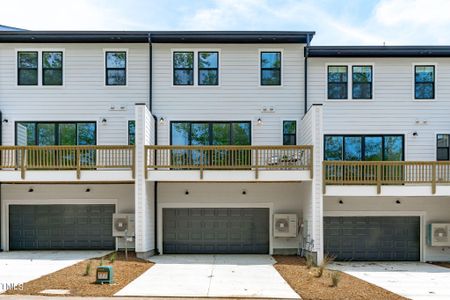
pixel 72 278
pixel 442 264
pixel 302 280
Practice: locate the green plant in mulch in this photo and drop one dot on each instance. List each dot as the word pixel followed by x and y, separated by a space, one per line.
pixel 335 278
pixel 323 265
pixel 102 262
pixel 87 270
pixel 309 261
pixel 113 257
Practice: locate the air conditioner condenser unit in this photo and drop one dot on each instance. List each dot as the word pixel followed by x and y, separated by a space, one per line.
pixel 438 234
pixel 123 225
pixel 285 225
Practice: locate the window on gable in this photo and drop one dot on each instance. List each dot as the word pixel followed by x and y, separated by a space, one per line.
pixel 52 68
pixel 443 147
pixel 362 82
pixel 270 68
pixel 116 68
pixel 337 82
pixel 424 82
pixel 289 132
pixel 27 68
pixel 208 68
pixel 183 68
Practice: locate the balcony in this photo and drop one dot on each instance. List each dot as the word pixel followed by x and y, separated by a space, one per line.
pixel 228 163
pixel 386 177
pixel 67 163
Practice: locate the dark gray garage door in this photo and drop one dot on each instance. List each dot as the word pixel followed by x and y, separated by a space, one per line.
pixel 60 227
pixel 372 238
pixel 216 230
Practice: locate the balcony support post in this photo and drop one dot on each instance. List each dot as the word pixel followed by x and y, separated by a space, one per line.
pixel 378 178
pixel 256 164
pixel 433 178
pixel 22 163
pixel 78 163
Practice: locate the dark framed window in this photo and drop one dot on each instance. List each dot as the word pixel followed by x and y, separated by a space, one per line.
pixel 208 68
pixel 27 68
pixel 116 68
pixel 270 68
pixel 362 82
pixel 52 68
pixel 183 68
pixel 337 82
pixel 424 86
pixel 289 132
pixel 56 133
pixel 131 132
pixel 364 147
pixel 443 147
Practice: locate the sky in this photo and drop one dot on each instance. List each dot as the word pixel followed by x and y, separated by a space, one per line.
pixel 344 22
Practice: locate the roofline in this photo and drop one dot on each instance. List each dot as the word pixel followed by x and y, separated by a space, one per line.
pixel 379 51
pixel 303 37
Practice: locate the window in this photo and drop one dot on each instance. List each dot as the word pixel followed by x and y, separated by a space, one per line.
pixel 210 133
pixel 183 68
pixel 52 68
pixel 116 68
pixel 27 68
pixel 364 147
pixel 55 133
pixel 362 82
pixel 208 68
pixel 270 68
pixel 424 82
pixel 131 132
pixel 443 147
pixel 289 132
pixel 337 82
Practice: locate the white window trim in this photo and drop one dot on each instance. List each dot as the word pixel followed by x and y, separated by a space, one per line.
pixel 195 70
pixel 281 50
pixel 127 66
pixel 413 80
pixel 40 76
pixel 350 81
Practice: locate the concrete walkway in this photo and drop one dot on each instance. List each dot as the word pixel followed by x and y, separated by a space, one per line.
pixel 409 279
pixel 211 276
pixel 18 267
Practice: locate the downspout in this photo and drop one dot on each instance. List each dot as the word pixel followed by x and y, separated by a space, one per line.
pixel 306 53
pixel 155 126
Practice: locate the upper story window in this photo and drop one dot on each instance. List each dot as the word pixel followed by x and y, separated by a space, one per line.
pixel 443 147
pixel 337 82
pixel 183 68
pixel 424 82
pixel 289 132
pixel 52 68
pixel 116 68
pixel 362 82
pixel 208 68
pixel 131 132
pixel 27 68
pixel 364 147
pixel 270 68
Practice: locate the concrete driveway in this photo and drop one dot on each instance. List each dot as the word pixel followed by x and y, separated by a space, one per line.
pixel 211 276
pixel 409 279
pixel 18 267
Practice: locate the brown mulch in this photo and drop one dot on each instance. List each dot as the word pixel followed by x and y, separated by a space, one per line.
pixel 442 264
pixel 72 278
pixel 302 280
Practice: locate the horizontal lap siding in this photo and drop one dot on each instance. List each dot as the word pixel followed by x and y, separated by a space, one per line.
pixel 83 96
pixel 239 96
pixel 393 109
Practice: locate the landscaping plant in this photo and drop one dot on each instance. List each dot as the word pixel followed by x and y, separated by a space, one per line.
pixel 335 278
pixel 87 271
pixel 102 262
pixel 323 265
pixel 113 257
pixel 309 261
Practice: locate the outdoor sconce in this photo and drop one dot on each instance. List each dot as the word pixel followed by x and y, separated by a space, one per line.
pixel 397 201
pixel 186 192
pixel 341 202
pixel 244 192
pixel 415 133
pixel 104 121
pixel 30 190
pixel 5 120
pixel 88 190
pixel 162 120
pixel 259 122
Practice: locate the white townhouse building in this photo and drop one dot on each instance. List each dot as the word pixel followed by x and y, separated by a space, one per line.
pixel 223 142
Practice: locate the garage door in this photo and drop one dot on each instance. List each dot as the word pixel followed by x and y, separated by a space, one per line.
pixel 372 238
pixel 62 227
pixel 216 230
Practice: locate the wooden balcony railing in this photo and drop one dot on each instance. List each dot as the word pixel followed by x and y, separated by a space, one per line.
pixel 76 158
pixel 229 158
pixel 385 173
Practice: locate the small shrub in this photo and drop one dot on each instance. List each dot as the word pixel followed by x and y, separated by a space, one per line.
pixel 309 261
pixel 113 257
pixel 335 278
pixel 323 265
pixel 87 271
pixel 102 262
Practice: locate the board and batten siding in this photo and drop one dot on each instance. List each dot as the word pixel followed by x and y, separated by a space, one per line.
pixel 83 96
pixel 239 95
pixel 393 109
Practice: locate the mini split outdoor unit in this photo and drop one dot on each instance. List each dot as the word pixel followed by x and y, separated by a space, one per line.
pixel 285 225
pixel 438 234
pixel 123 225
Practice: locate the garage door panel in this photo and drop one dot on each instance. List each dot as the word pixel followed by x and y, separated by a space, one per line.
pixel 372 238
pixel 33 227
pixel 220 230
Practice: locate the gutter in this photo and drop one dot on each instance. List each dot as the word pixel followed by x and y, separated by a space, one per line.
pixel 306 54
